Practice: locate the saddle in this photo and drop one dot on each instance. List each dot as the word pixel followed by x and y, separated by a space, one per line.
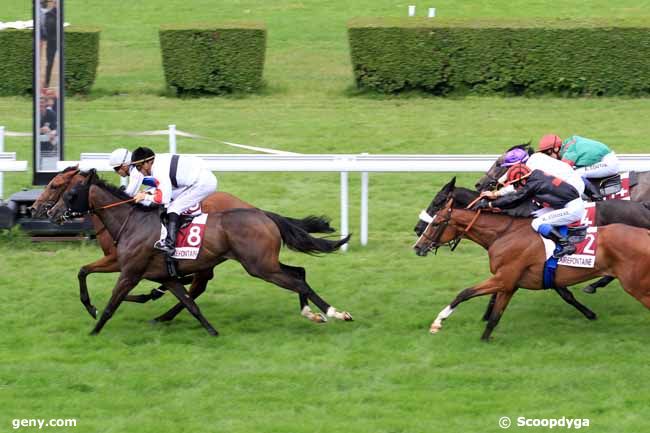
pixel 184 220
pixel 607 185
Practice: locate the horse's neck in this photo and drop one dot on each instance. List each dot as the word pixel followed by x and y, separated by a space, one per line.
pixel 487 227
pixel 464 196
pixel 115 217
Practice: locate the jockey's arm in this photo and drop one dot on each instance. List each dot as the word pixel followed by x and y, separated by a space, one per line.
pixel 135 181
pixel 514 198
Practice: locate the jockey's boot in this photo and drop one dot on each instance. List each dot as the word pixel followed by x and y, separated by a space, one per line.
pixel 168 245
pixel 592 191
pixel 563 242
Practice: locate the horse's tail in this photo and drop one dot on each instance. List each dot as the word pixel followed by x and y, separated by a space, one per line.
pixel 313 224
pixel 297 238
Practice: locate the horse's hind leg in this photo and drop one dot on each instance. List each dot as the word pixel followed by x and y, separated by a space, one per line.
pixel 502 300
pixel 591 288
pixel 179 291
pixel 293 278
pixel 305 309
pixel 199 285
pixel 571 300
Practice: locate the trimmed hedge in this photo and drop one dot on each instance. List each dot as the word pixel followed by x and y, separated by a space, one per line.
pixel 213 59
pixel 447 57
pixel 81 59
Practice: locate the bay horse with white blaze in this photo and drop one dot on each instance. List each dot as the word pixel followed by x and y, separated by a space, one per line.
pixel 517 257
pixel 249 236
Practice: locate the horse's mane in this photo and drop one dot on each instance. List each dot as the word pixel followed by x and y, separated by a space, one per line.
pixel 525 146
pixel 119 193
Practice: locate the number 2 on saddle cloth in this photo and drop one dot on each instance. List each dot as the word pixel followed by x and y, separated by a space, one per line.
pixel 584 234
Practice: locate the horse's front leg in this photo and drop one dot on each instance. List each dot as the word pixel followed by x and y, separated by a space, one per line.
pixel 488 287
pixel 106 264
pixel 125 284
pixel 500 304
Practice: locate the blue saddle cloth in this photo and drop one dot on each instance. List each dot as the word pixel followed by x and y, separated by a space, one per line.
pixel 551 264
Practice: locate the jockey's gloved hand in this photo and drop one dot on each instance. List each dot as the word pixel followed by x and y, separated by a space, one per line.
pixel 482 204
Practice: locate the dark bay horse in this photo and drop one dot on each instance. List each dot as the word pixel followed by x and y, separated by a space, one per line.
pixel 50 203
pixel 640 192
pixel 249 236
pixel 517 257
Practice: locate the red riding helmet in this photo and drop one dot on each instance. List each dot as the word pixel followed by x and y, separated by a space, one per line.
pixel 548 142
pixel 518 173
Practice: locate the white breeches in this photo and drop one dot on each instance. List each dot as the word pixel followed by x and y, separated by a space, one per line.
pixel 572 212
pixel 607 167
pixel 185 198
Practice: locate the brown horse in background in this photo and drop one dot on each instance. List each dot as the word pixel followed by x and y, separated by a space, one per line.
pixel 517 257
pixel 50 203
pixel 250 236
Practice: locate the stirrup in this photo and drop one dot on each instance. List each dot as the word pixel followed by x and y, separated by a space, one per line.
pixel 565 251
pixel 161 245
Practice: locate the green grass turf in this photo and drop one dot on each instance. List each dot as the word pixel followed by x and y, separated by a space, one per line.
pixel 271 370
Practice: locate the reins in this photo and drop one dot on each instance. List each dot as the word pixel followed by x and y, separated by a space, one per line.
pixel 108 206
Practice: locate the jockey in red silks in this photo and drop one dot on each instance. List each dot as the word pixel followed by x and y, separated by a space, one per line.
pixel 180 182
pixel 590 158
pixel 545 163
pixel 561 203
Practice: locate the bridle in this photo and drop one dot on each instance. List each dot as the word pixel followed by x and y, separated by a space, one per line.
pixel 441 226
pixel 69 213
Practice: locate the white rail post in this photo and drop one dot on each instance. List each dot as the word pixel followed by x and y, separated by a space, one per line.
pixel 172 139
pixel 364 207
pixel 344 207
pixel 2 149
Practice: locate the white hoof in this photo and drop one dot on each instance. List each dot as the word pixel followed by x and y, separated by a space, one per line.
pixel 435 328
pixel 318 318
pixel 331 312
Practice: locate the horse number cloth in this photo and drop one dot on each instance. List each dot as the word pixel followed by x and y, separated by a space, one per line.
pixel 585 255
pixel 188 239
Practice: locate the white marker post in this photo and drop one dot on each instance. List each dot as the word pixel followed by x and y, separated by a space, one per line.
pixel 411 10
pixel 432 12
pixel 172 139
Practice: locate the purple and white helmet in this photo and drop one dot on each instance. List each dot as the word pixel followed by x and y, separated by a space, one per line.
pixel 515 156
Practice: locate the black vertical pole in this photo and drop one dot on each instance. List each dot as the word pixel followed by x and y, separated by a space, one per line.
pixel 49 92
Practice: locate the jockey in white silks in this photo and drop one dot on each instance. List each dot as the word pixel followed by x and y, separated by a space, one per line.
pixel 120 160
pixel 180 182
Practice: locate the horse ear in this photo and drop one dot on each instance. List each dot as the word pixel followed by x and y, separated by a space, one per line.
pixel 529 148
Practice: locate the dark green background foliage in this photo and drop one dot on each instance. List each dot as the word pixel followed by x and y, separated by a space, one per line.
pixel 214 59
pixel 491 57
pixel 15 62
pixel 81 58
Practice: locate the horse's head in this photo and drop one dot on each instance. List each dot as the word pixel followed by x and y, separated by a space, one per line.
pixel 53 192
pixel 436 204
pixel 74 199
pixel 518 153
pixel 438 231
